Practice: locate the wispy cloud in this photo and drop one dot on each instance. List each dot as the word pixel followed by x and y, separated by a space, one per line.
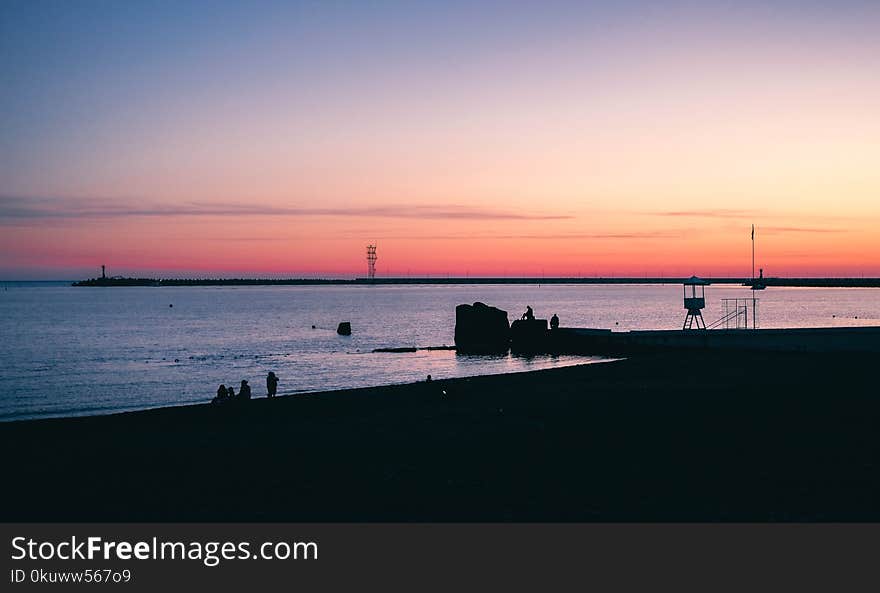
pixel 538 237
pixel 758 215
pixel 711 213
pixel 463 237
pixel 30 208
pixel 798 229
pixel 552 236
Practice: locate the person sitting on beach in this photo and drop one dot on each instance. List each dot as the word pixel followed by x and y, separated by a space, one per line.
pixel 554 322
pixel 244 392
pixel 221 396
pixel 271 384
pixel 230 393
pixel 529 314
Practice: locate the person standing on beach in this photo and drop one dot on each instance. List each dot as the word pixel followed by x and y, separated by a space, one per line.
pixel 271 384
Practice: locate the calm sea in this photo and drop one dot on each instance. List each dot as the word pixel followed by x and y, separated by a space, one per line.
pixel 75 351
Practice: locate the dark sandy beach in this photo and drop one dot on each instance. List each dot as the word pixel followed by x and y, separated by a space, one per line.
pixel 675 437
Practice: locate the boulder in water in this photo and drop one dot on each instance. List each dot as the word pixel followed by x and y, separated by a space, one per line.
pixel 481 329
pixel 344 328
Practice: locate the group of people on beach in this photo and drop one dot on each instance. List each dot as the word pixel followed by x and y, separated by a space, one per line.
pixel 227 394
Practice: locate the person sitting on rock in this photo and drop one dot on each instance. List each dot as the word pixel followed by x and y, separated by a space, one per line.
pixel 244 392
pixel 554 322
pixel 222 395
pixel 529 314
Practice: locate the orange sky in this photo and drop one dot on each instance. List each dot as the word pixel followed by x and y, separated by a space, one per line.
pixel 613 143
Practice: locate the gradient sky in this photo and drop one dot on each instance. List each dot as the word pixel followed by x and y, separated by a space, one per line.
pixel 278 139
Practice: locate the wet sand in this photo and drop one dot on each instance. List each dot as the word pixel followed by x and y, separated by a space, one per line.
pixel 673 437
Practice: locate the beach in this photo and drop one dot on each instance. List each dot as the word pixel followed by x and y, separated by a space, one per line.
pixel 667 437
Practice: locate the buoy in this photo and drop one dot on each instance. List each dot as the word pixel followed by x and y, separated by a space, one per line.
pixel 170 305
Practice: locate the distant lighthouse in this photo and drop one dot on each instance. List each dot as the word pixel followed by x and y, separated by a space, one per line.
pixel 103 272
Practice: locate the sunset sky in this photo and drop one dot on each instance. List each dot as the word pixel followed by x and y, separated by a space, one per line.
pixel 564 139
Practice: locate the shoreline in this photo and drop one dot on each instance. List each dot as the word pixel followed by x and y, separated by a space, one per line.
pixel 598 359
pixel 671 437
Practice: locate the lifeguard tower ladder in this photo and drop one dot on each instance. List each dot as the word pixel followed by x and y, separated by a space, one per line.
pixel 736 314
pixel 694 303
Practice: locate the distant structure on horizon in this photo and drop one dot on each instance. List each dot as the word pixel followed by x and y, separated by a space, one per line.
pixel 371 262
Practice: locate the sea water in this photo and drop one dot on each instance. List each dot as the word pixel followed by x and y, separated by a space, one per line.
pixel 68 351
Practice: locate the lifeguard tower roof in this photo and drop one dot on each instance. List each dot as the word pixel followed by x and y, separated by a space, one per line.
pixel 694 281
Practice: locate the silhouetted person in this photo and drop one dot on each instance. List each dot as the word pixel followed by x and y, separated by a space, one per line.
pixel 222 394
pixel 230 393
pixel 271 384
pixel 428 380
pixel 529 314
pixel 554 322
pixel 244 392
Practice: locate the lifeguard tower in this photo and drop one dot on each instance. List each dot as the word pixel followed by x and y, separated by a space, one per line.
pixel 694 302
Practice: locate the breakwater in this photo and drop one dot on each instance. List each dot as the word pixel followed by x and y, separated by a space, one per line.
pixel 480 328
pixel 819 340
pixel 769 282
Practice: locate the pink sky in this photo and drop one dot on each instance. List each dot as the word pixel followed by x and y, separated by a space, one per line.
pixel 623 143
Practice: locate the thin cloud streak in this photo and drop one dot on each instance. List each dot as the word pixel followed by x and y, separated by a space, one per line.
pixel 23 208
pixel 573 236
pixel 795 229
pixel 715 213
pixel 757 215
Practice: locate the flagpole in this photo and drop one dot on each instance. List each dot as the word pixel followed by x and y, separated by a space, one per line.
pixel 753 255
pixel 754 313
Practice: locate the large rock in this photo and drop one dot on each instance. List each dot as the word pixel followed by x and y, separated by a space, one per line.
pixel 529 335
pixel 481 329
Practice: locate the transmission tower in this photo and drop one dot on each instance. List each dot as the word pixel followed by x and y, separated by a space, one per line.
pixel 371 261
